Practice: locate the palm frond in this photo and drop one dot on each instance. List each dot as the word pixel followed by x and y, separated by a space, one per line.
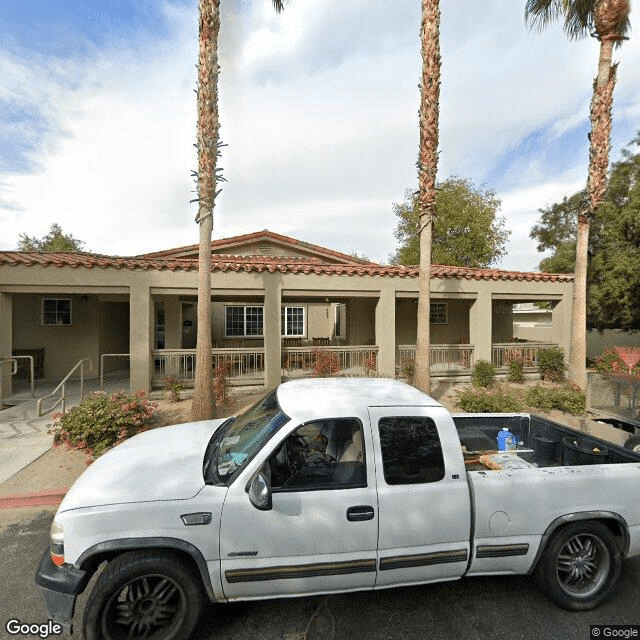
pixel 278 5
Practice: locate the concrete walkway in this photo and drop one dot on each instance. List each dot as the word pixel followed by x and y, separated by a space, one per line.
pixel 23 436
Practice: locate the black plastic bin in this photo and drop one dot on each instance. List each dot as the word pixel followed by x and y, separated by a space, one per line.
pixel 577 452
pixel 544 449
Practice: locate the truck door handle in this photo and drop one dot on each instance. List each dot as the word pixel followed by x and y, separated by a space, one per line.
pixel 360 513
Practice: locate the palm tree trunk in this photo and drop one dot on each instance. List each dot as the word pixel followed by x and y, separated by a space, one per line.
pixel 427 169
pixel 203 406
pixel 599 146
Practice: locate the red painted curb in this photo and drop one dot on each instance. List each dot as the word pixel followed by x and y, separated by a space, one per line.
pixel 33 499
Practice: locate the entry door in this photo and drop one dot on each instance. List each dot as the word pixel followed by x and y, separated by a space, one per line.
pixel 424 506
pixel 321 533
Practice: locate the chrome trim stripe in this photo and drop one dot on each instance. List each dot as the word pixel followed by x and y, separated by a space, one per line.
pixel 300 571
pixel 501 550
pixel 423 559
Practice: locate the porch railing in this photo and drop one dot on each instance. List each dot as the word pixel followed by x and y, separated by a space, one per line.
pixel 504 353
pixel 180 364
pixel 443 357
pixel 355 360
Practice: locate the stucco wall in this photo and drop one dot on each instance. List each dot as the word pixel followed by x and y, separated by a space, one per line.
pixel 454 332
pixel 598 341
pixel 114 332
pixel 63 345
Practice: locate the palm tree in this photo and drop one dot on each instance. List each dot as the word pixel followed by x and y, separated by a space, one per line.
pixel 427 169
pixel 207 178
pixel 608 21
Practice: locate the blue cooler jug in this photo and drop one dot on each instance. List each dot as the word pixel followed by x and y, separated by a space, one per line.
pixel 506 440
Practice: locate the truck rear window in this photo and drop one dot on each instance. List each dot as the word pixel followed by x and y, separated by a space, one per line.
pixel 411 450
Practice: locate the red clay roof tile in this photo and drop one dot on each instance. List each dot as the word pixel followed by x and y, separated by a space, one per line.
pixel 259 264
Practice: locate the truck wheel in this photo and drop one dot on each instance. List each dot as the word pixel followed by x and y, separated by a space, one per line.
pixel 580 565
pixel 633 443
pixel 144 594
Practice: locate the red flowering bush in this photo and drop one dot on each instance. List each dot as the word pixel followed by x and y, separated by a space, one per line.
pixel 221 374
pixel 325 363
pixel 103 420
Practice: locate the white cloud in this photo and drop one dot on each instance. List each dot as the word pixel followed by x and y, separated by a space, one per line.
pixel 319 109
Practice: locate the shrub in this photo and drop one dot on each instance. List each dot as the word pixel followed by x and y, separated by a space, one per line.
pixel 611 362
pixel 483 374
pixel 551 364
pixel 103 420
pixel 173 388
pixel 407 370
pixel 489 402
pixel 569 400
pixel 516 371
pixel 325 363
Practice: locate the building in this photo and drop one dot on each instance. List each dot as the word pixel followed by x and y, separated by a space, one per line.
pixel 274 300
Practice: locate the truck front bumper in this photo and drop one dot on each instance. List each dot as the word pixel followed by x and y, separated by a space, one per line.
pixel 60 586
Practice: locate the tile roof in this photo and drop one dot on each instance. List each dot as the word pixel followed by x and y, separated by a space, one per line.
pixel 247 238
pixel 296 265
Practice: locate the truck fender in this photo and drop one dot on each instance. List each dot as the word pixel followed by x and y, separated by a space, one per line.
pixel 110 548
pixel 577 517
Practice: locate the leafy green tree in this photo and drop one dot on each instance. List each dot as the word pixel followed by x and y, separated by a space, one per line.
pixel 55 240
pixel 467 232
pixel 613 296
pixel 608 21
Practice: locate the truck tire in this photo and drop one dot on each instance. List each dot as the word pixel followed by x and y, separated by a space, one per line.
pixel 633 443
pixel 144 594
pixel 580 565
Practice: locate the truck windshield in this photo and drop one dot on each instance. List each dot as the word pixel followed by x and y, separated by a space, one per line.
pixel 241 438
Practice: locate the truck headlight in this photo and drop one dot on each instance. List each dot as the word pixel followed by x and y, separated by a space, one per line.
pixel 56 543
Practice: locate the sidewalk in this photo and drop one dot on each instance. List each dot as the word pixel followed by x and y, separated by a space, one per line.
pixel 23 436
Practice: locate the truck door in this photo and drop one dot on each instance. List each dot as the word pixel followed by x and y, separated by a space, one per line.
pixel 423 496
pixel 321 533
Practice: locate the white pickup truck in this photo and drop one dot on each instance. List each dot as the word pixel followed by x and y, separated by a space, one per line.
pixel 329 486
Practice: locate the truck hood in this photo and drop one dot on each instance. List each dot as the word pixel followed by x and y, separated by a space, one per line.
pixel 161 464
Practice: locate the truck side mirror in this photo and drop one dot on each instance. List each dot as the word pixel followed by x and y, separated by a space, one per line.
pixel 260 492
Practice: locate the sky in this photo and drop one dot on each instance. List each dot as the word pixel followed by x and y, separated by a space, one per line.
pixel 318 109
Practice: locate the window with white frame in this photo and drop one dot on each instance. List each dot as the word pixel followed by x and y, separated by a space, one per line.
pixel 244 321
pixel 292 321
pixel 56 311
pixel 438 313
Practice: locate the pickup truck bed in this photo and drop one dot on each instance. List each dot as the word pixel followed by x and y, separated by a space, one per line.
pixel 478 433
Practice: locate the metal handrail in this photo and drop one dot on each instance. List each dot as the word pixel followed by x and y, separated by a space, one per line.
pixel 62 387
pixel 7 360
pixel 109 355
pixel 15 368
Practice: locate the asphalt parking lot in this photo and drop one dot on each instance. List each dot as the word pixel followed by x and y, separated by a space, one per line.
pixel 483 608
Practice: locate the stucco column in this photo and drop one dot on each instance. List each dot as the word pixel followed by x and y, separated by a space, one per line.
pixel 272 346
pixel 386 331
pixel 480 317
pixel 6 341
pixel 561 324
pixel 140 337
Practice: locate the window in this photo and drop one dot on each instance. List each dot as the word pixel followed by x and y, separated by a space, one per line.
pixel 411 450
pixel 438 313
pixel 244 321
pixel 324 454
pixel 56 311
pixel 292 321
pixel 249 321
